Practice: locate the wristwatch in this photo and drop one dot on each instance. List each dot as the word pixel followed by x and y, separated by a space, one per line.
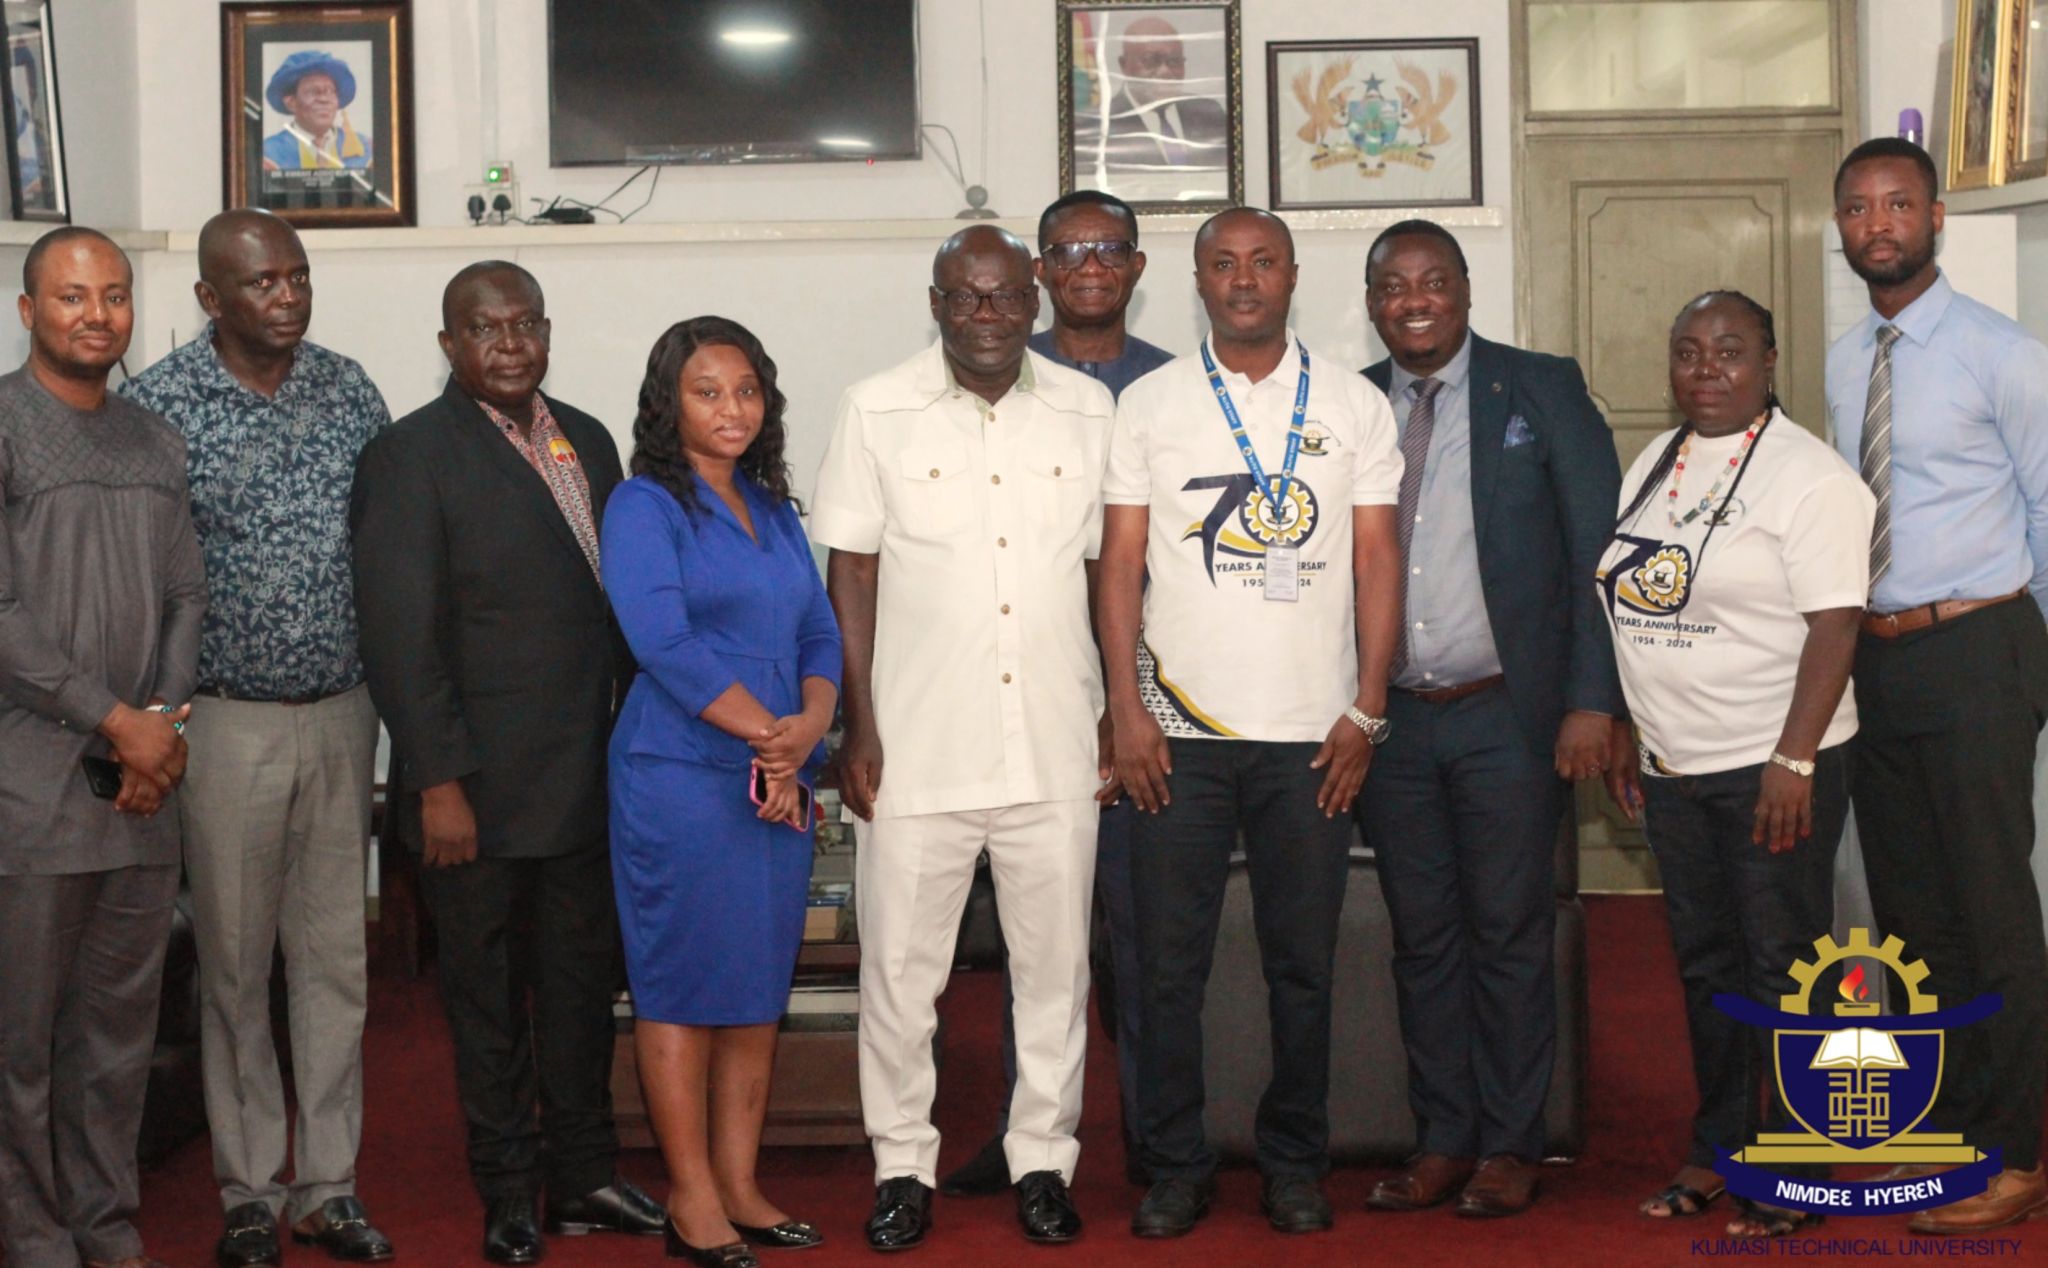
pixel 1376 729
pixel 1802 769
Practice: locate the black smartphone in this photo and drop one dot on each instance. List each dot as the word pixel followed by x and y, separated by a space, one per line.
pixel 103 776
pixel 805 809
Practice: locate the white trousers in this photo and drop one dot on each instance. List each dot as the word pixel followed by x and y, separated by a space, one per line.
pixel 911 879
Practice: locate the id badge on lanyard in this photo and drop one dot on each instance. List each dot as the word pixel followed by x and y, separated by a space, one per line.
pixel 1283 563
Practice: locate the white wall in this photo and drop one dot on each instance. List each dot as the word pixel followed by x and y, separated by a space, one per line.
pixel 829 312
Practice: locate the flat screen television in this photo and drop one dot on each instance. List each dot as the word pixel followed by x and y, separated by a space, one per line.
pixel 731 81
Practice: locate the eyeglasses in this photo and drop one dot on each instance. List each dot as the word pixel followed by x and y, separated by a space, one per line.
pixel 966 302
pixel 1067 256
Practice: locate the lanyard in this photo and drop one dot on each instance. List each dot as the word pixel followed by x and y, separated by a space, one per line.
pixel 1276 491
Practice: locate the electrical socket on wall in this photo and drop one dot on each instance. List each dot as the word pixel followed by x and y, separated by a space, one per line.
pixel 495 179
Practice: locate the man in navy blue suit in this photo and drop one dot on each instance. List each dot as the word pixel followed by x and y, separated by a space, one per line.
pixel 1503 688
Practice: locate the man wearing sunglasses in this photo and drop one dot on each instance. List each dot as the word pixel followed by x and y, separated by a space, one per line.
pixel 960 499
pixel 1089 262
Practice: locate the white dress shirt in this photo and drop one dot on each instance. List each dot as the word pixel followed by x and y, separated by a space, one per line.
pixel 1218 659
pixel 987 683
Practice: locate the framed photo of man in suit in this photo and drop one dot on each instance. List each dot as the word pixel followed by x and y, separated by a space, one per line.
pixel 1151 102
pixel 317 111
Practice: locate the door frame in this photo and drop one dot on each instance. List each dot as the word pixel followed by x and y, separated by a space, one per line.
pixel 1846 113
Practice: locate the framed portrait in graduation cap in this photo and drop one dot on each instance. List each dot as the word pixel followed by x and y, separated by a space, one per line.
pixel 316 112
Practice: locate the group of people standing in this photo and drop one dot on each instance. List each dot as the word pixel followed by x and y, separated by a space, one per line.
pixel 1102 614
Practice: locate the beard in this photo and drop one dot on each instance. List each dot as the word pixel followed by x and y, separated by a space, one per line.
pixel 1906 264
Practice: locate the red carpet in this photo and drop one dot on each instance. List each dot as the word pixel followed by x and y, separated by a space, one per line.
pixel 414 1182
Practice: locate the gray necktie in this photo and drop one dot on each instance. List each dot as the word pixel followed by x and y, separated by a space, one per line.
pixel 1875 451
pixel 1414 453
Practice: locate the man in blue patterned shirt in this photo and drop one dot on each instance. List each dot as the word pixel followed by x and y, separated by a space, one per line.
pixel 276 808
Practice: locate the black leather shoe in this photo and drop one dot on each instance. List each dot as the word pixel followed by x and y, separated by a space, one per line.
pixel 619 1207
pixel 510 1235
pixel 1171 1207
pixel 730 1255
pixel 984 1175
pixel 788 1235
pixel 1046 1209
pixel 250 1239
pixel 342 1228
pixel 1295 1204
pixel 902 1214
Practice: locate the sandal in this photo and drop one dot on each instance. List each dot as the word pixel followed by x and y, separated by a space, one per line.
pixel 1680 1199
pixel 1758 1220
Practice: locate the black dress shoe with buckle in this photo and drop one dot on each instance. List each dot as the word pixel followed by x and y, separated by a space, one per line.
pixel 1046 1209
pixel 510 1234
pixel 984 1175
pixel 342 1228
pixel 788 1235
pixel 250 1239
pixel 619 1207
pixel 1171 1207
pixel 730 1255
pixel 1295 1204
pixel 902 1214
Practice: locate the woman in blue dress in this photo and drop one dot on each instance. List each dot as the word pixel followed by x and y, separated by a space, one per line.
pixel 712 578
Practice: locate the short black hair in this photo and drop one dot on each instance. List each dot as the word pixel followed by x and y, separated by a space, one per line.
pixel 32 263
pixel 1085 198
pixel 1891 147
pixel 1416 229
pixel 472 274
pixel 1209 227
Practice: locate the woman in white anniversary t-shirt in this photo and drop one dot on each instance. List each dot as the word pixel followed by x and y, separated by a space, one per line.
pixel 1734 585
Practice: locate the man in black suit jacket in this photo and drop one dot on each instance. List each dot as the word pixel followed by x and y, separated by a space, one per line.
pixel 1504 687
pixel 494 661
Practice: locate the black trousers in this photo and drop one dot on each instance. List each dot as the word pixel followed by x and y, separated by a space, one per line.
pixel 1944 786
pixel 529 958
pixel 1740 915
pixel 1180 861
pixel 1462 816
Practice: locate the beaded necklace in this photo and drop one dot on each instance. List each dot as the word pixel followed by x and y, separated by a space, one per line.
pixel 1678 474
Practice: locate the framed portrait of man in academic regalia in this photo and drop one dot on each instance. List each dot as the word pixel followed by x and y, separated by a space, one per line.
pixel 317 111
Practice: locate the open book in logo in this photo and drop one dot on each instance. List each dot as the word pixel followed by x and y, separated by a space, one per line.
pixel 1859 1083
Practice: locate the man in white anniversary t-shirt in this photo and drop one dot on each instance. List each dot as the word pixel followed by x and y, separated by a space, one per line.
pixel 1256 483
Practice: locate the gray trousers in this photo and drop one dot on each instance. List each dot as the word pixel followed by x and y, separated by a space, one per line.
pixel 276 811
pixel 81 974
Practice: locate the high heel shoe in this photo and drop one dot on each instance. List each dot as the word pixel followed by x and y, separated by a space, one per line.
pixel 788 1235
pixel 732 1255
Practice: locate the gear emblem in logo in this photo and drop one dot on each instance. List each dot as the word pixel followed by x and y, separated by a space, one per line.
pixel 1298 511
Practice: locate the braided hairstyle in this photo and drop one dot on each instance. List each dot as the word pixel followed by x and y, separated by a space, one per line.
pixel 1669 458
pixel 657 438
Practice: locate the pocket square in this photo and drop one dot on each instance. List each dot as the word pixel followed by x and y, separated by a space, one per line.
pixel 1519 433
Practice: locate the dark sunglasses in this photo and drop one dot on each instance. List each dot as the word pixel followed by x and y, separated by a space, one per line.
pixel 1070 255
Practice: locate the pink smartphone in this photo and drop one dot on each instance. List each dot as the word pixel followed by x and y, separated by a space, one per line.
pixel 806 804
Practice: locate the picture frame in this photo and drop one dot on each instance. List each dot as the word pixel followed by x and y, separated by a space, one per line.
pixel 1979 95
pixel 1151 102
pixel 37 186
pixel 316 112
pixel 2027 156
pixel 1373 123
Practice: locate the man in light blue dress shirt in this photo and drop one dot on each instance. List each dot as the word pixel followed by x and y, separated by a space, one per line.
pixel 1943 405
pixel 1505 687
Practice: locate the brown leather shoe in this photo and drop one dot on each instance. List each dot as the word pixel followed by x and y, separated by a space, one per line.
pixel 2012 1196
pixel 1428 1180
pixel 1503 1185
